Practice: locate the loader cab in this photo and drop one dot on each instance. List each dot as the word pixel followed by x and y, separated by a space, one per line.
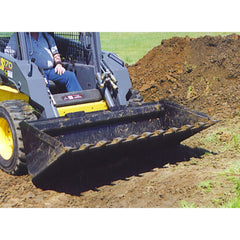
pixel 75 52
pixel 74 49
pixel 81 53
pixel 26 78
pixel 97 72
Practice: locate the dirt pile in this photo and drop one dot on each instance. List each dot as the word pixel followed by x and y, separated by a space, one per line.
pixel 201 73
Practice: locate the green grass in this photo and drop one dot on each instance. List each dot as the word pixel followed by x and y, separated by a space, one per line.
pixel 233 143
pixel 6 34
pixel 206 186
pixel 233 174
pixel 131 46
pixel 234 169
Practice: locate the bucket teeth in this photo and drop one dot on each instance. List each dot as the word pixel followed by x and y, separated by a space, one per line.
pixel 211 122
pixel 145 135
pixel 157 133
pixel 100 144
pixel 198 125
pixel 85 146
pixel 116 141
pixel 171 130
pixel 135 137
pixel 131 138
pixel 186 127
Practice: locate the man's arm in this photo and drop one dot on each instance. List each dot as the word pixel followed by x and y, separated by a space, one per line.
pixel 59 69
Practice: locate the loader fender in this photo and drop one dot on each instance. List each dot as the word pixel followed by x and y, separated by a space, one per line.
pixel 8 93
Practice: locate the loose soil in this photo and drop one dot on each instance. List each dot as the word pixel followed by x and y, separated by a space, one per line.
pixel 202 74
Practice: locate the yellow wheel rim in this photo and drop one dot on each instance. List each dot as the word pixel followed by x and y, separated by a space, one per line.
pixel 6 140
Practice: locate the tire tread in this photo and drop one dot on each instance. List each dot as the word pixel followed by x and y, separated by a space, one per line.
pixel 18 110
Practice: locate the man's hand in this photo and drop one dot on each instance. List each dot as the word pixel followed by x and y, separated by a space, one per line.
pixel 59 69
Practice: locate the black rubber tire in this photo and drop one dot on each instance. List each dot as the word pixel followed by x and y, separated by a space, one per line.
pixel 15 111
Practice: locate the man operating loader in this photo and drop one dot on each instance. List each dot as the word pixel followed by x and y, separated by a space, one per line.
pixel 43 51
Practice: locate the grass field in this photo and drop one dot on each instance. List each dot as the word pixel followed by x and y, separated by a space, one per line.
pixel 131 46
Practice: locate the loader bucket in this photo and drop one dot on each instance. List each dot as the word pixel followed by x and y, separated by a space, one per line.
pixel 77 134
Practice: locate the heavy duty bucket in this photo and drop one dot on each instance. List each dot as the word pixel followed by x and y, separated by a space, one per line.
pixel 78 134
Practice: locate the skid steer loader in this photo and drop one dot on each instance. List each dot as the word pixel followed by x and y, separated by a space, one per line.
pixel 41 123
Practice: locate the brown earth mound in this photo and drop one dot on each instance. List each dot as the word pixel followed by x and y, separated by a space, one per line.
pixel 201 73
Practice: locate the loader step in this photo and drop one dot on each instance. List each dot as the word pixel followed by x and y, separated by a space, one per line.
pixel 72 98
